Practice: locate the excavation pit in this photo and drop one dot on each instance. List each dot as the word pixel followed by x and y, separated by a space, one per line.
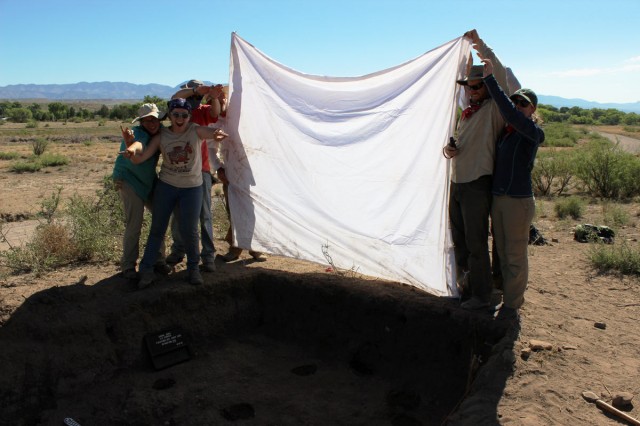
pixel 270 348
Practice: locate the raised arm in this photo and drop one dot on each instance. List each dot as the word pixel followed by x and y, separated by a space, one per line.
pixel 485 52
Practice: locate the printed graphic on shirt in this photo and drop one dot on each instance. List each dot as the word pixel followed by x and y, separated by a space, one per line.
pixel 179 157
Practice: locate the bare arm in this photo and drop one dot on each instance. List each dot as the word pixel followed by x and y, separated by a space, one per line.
pixel 137 153
pixel 205 132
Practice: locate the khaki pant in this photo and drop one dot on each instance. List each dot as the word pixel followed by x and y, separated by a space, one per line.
pixel 511 218
pixel 133 218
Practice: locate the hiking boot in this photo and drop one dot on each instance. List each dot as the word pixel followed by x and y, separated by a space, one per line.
pixel 162 268
pixel 195 278
pixel 146 279
pixel 233 254
pixel 209 266
pixel 474 304
pixel 130 274
pixel 174 259
pixel 507 315
pixel 257 255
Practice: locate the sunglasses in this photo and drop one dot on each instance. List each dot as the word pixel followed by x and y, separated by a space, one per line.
pixel 519 101
pixel 475 86
pixel 180 114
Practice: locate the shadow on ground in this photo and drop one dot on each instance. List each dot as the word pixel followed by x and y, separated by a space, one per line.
pixel 266 348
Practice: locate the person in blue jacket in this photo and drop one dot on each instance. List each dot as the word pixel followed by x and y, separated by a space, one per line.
pixel 513 205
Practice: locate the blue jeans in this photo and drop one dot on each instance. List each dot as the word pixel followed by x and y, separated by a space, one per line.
pixel 206 225
pixel 165 199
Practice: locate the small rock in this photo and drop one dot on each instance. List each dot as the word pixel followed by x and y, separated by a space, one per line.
pixel 569 347
pixel 622 399
pixel 525 353
pixel 555 240
pixel 600 325
pixel 538 345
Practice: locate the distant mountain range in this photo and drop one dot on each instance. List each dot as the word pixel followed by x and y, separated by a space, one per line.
pixel 130 91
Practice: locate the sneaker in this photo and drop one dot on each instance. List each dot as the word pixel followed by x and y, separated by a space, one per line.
pixel 130 274
pixel 162 268
pixel 174 259
pixel 209 266
pixel 195 278
pixel 146 279
pixel 257 255
pixel 233 254
pixel 474 304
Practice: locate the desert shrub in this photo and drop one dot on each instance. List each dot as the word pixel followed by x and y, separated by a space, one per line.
pixel 96 226
pixel 39 145
pixel 25 166
pixel 571 206
pixel 607 171
pixel 87 229
pixel 53 160
pixel 621 258
pixel 560 134
pixel 32 124
pixel 552 172
pixel 614 214
pixel 9 155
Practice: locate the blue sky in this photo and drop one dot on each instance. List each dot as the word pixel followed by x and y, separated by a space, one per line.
pixel 569 48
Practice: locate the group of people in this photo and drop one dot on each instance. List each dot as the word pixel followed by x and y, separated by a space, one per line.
pixel 179 196
pixel 497 139
pixel 498 136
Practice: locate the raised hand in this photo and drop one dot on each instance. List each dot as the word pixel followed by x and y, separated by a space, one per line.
pixel 127 135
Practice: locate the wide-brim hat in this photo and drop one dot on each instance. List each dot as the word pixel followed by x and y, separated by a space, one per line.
pixel 147 110
pixel 476 73
pixel 191 84
pixel 526 94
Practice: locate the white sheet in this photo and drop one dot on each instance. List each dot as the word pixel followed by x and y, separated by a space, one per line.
pixel 350 166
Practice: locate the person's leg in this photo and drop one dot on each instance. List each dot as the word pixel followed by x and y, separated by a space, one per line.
pixel 161 263
pixel 177 246
pixel 234 252
pixel 457 234
pixel 206 225
pixel 517 216
pixel 475 203
pixel 190 201
pixel 165 198
pixel 133 217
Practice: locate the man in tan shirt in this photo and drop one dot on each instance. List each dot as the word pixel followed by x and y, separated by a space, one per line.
pixel 470 190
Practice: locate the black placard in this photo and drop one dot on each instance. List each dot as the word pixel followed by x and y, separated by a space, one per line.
pixel 167 348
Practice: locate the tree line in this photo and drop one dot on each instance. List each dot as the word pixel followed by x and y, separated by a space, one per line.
pixel 60 111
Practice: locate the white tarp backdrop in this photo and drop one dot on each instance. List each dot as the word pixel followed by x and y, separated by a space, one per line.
pixel 349 167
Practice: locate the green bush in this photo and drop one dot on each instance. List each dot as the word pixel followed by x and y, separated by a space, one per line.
pixel 607 171
pixel 39 146
pixel 560 135
pixel 614 214
pixel 9 155
pixel 32 124
pixel 621 258
pixel 25 167
pixel 53 160
pixel 552 172
pixel 571 206
pixel 88 229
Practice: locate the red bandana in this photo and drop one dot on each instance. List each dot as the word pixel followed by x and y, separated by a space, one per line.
pixel 509 129
pixel 470 110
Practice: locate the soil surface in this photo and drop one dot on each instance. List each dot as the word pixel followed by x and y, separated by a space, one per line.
pixel 288 342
